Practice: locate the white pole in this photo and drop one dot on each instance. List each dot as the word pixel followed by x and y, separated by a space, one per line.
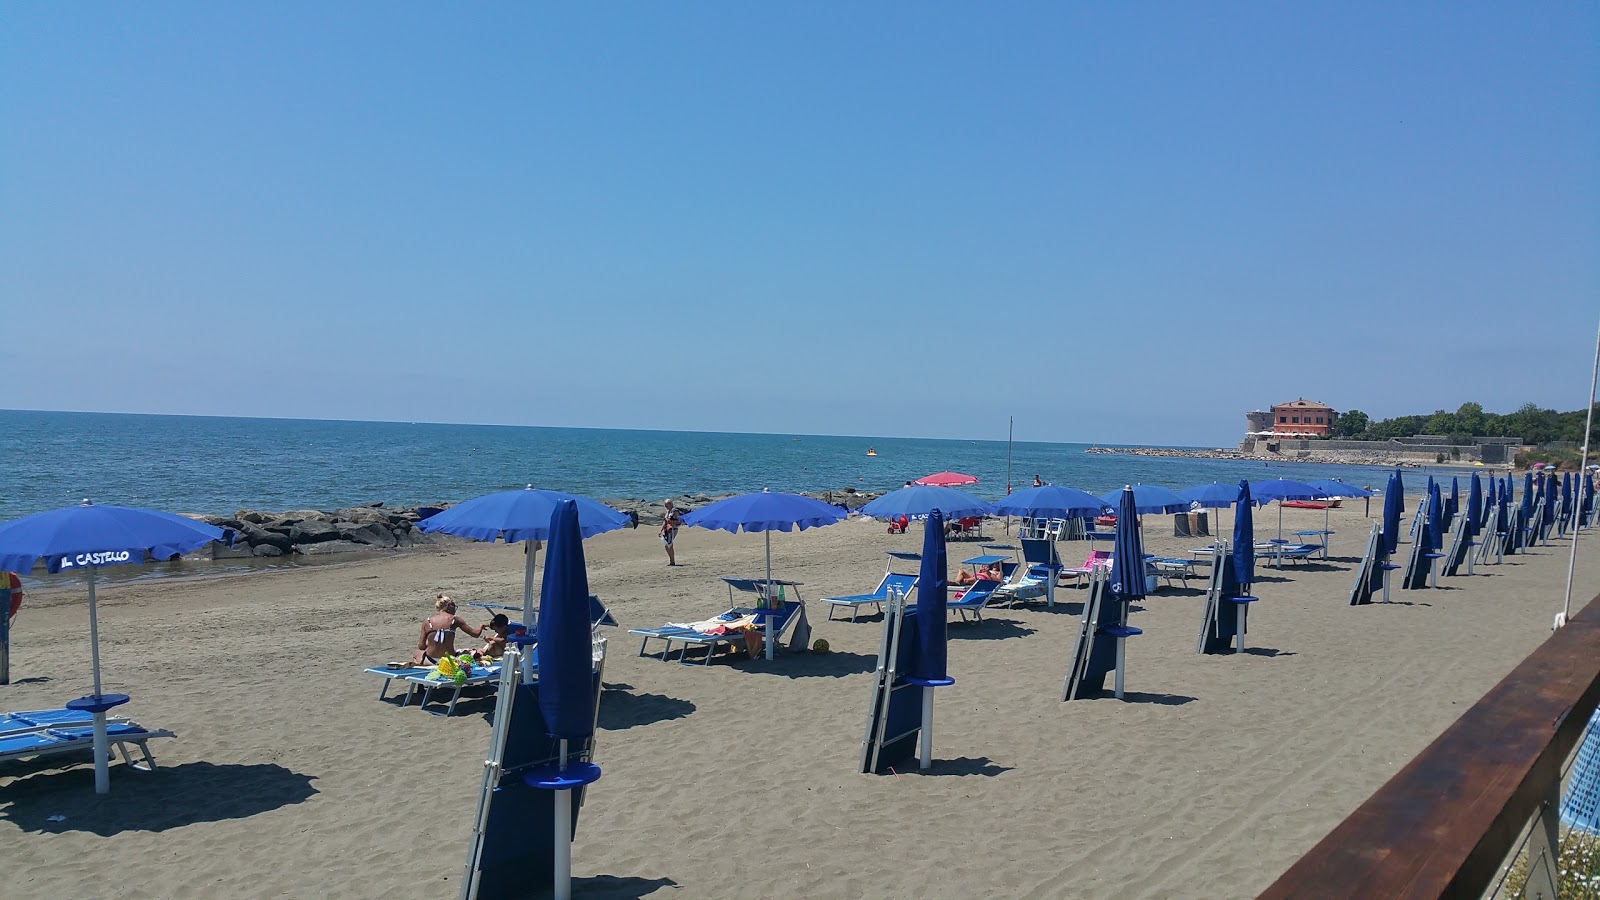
pixel 528 568
pixel 772 609
pixel 1238 634
pixel 563 836
pixel 1583 468
pixel 926 761
pixel 102 744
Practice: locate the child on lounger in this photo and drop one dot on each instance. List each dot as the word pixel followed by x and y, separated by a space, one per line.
pixel 494 638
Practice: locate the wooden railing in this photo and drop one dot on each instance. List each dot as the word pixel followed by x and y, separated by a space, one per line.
pixel 1444 826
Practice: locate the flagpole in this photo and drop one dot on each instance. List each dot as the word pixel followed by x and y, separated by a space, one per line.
pixel 1583 467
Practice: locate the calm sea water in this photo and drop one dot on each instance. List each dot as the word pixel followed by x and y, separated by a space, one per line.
pixel 218 465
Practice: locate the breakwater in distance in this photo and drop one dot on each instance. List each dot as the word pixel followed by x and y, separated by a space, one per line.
pixel 1374 457
pixel 217 466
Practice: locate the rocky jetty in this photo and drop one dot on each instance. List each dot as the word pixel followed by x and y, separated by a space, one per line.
pixel 312 532
pixel 372 526
pixel 1336 457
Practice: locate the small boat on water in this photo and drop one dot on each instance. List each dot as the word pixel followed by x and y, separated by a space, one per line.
pixel 871 452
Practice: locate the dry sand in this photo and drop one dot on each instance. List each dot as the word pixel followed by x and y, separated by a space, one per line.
pixel 289 778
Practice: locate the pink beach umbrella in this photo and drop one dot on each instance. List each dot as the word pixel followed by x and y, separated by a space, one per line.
pixel 946 479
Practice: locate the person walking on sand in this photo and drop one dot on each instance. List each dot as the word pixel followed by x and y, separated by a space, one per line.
pixel 670 520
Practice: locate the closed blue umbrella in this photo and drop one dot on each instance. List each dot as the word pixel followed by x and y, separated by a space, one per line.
pixel 1586 505
pixel 1436 514
pixel 928 664
pixel 766 512
pixel 919 500
pixel 566 673
pixel 1549 505
pixel 1128 565
pixel 1474 505
pixel 1148 499
pixel 1393 505
pixel 1452 503
pixel 1051 502
pixel 88 537
pixel 523 515
pixel 1244 538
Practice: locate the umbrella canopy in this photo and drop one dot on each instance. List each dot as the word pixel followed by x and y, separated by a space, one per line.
pixel 1394 498
pixel 1244 538
pixel 523 515
pixel 88 536
pixel 1527 493
pixel 1333 487
pixel 1127 563
pixel 1051 502
pixel 566 665
pixel 929 663
pixel 1284 489
pixel 919 500
pixel 947 479
pixel 1147 499
pixel 1474 505
pixel 766 512
pixel 1211 496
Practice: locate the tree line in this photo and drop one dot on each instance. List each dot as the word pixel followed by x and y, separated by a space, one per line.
pixel 1530 424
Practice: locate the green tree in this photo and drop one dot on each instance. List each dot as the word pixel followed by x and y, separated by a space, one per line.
pixel 1469 418
pixel 1351 424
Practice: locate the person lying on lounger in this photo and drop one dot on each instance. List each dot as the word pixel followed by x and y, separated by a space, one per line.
pixel 987 573
pixel 439 633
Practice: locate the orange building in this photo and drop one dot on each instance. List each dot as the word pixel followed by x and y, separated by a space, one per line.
pixel 1303 418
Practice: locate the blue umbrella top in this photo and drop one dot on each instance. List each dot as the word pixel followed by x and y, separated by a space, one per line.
pixel 1051 501
pixel 1331 487
pixel 523 515
pixel 765 511
pixel 1148 499
pixel 1211 496
pixel 90 535
pixel 566 668
pixel 930 662
pixel 920 499
pixel 1283 489
pixel 1244 538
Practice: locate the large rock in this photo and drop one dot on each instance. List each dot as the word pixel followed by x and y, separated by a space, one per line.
pixel 253 517
pixel 256 536
pixel 325 547
pixel 239 550
pixel 313 532
pixel 265 550
pixel 371 535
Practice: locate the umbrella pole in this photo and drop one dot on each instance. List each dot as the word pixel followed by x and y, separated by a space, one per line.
pixel 563 836
pixel 771 609
pixel 102 748
pixel 926 760
pixel 528 566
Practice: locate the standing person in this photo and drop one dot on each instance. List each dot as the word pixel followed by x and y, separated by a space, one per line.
pixel 670 520
pixel 1037 482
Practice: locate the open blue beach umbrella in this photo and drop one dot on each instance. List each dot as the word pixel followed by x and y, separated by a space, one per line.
pixel 1474 505
pixel 87 537
pixel 1244 538
pixel 1127 563
pixel 1051 502
pixel 932 595
pixel 1211 496
pixel 1148 499
pixel 524 515
pixel 1281 489
pixel 1435 515
pixel 1393 505
pixel 766 512
pixel 918 500
pixel 1332 488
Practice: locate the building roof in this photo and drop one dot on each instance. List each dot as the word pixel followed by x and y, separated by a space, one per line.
pixel 1301 403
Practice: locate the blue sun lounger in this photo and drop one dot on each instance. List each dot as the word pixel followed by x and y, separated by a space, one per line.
pixel 33 720
pixel 688 637
pixel 422 680
pixel 46 740
pixel 901 584
pixel 975 598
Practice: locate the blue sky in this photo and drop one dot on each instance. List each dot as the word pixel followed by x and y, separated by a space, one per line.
pixel 1116 222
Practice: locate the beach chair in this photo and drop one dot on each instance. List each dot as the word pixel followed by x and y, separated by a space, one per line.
pixel 68 735
pixel 712 633
pixel 430 681
pixel 891 582
pixel 1044 564
pixel 36 719
pixel 1096 559
pixel 974 599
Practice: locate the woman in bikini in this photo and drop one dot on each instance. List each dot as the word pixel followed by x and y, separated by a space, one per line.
pixel 439 633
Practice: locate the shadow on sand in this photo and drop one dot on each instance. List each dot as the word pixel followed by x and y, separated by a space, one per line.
pixel 620 709
pixel 169 797
pixel 617 887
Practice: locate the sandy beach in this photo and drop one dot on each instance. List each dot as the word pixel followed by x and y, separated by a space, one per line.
pixel 289 778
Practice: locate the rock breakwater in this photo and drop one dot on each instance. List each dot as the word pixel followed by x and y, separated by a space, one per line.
pixel 1333 457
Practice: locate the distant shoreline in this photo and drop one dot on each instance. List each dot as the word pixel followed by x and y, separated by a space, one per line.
pixel 1377 459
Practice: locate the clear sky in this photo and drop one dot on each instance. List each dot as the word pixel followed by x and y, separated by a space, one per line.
pixel 1117 222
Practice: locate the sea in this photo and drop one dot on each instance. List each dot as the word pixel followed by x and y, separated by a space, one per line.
pixel 218 465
